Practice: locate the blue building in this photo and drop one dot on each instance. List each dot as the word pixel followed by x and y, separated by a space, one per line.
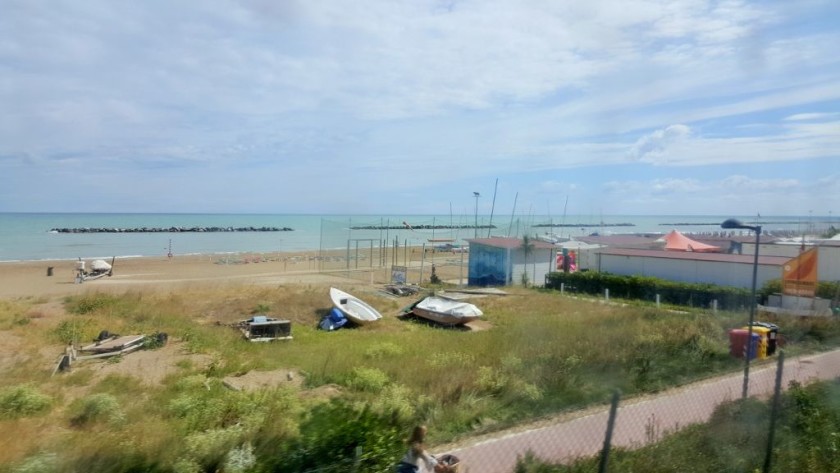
pixel 501 261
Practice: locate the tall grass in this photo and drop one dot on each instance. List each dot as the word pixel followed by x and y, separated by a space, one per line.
pixel 543 353
pixel 21 400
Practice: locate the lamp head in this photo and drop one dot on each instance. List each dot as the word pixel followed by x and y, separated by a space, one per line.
pixel 733 223
pixel 476 194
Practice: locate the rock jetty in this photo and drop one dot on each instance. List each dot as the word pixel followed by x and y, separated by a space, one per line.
pixel 170 230
pixel 581 225
pixel 418 227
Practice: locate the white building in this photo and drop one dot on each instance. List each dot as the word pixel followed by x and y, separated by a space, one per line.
pixel 689 267
pixel 828 257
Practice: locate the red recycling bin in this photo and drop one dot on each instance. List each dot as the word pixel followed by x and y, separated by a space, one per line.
pixel 738 343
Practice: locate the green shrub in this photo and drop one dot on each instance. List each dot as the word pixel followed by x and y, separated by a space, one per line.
pixel 91 303
pixel 21 401
pixel 368 379
pixel 12 314
pixel 396 401
pixel 383 350
pixel 96 408
pixel 339 435
pixel 210 447
pixel 240 459
pixel 74 330
pixel 261 309
pixel 40 463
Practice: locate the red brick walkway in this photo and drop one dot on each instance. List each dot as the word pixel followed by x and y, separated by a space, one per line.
pixel 638 421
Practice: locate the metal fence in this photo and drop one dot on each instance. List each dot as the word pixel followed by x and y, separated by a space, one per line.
pixel 745 435
pixel 385 252
pixel 741 433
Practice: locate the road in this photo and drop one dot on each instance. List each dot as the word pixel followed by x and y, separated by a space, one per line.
pixel 638 421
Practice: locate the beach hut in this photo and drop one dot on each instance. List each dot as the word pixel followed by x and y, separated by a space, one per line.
pixel 501 261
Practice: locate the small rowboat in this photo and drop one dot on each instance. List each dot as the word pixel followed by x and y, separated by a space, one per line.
pixel 446 311
pixel 356 310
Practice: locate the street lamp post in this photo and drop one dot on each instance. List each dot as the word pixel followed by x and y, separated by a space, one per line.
pixel 476 194
pixel 732 223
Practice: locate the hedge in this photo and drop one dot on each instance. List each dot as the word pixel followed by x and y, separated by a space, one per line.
pixel 646 288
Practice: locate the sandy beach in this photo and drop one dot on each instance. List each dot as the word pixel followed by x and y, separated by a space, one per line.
pixel 24 279
pixel 31 279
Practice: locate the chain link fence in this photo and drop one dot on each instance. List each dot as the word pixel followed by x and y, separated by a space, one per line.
pixel 642 434
pixel 387 252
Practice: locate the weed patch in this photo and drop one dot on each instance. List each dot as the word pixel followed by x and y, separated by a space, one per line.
pixel 21 401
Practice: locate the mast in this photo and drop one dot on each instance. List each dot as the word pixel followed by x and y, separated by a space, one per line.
pixel 563 222
pixel 512 213
pixel 490 225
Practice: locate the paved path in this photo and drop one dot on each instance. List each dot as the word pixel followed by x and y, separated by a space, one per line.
pixel 638 421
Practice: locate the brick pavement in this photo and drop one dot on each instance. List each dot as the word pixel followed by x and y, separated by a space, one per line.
pixel 638 420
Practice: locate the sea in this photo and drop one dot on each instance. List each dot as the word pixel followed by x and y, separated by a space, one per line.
pixel 39 236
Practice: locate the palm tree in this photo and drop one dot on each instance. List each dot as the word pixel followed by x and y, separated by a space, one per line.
pixel 527 248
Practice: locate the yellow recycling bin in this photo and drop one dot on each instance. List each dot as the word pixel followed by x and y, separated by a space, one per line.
pixel 763 341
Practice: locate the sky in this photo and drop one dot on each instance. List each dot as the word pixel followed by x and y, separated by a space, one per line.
pixel 611 107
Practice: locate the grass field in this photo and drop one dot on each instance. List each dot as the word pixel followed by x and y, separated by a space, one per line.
pixel 170 408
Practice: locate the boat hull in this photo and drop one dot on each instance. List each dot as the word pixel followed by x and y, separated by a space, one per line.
pixel 446 311
pixel 356 310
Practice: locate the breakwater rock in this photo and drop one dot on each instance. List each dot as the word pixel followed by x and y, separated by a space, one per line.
pixel 170 229
pixel 582 225
pixel 418 227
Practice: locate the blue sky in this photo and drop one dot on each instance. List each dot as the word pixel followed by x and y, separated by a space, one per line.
pixel 408 107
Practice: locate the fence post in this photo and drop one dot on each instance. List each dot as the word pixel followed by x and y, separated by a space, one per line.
pixel 607 294
pixel 774 412
pixel 714 306
pixel 357 459
pixel 422 262
pixel 605 453
pixel 657 301
pixel 461 270
pixel 562 287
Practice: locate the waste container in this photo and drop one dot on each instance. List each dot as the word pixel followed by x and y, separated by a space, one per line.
pixel 738 343
pixel 763 341
pixel 49 270
pixel 772 335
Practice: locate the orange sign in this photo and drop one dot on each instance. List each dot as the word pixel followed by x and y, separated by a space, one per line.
pixel 799 275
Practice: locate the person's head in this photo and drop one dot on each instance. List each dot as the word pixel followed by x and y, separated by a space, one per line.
pixel 418 434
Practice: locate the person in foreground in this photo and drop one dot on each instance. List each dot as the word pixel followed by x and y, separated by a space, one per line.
pixel 416 453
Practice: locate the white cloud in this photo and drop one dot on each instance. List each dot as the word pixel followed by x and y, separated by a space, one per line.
pixel 747 184
pixel 652 148
pixel 363 89
pixel 810 116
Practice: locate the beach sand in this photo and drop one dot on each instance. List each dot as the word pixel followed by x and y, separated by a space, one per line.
pixel 31 279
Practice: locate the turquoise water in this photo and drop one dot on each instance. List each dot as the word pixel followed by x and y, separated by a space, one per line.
pixel 27 236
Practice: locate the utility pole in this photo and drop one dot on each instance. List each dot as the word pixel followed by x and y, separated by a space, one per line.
pixel 477 195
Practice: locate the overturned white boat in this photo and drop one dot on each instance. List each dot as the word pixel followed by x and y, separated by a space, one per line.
pixel 446 311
